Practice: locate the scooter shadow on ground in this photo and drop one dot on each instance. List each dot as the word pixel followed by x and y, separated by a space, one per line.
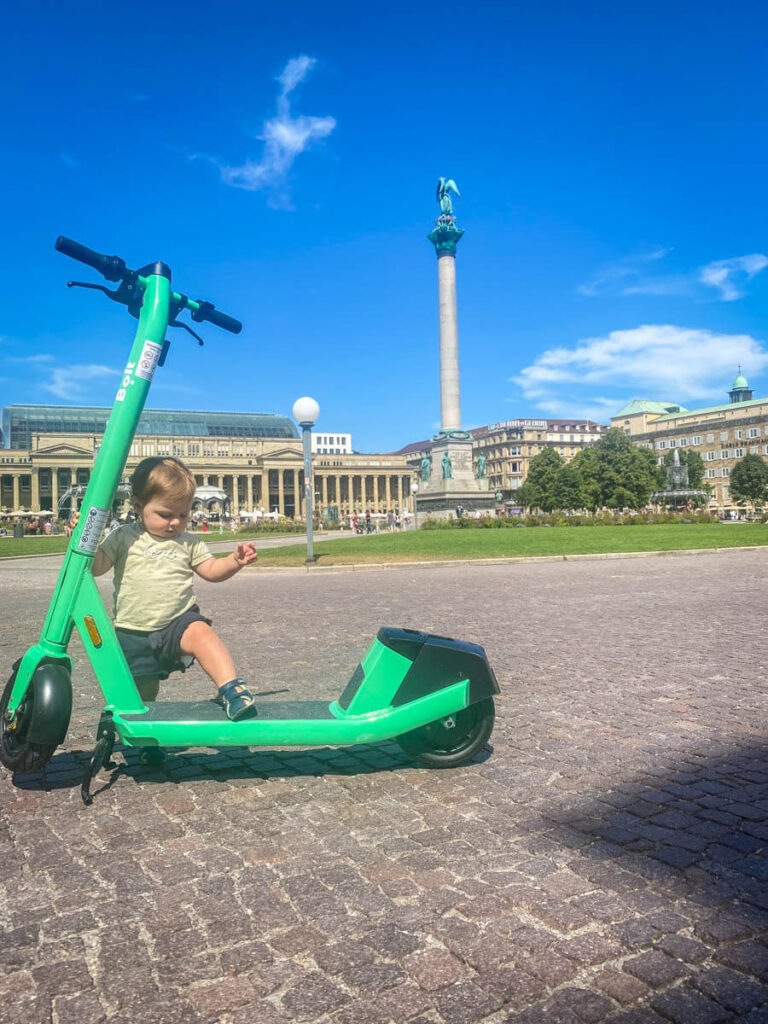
pixel 65 770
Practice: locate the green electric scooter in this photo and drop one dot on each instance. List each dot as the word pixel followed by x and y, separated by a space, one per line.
pixel 432 694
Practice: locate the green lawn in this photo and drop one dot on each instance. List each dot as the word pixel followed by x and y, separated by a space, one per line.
pixel 10 546
pixel 435 545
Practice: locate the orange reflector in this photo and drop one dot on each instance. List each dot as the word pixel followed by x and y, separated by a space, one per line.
pixel 93 631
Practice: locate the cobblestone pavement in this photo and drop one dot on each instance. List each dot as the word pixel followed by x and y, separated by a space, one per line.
pixel 607 862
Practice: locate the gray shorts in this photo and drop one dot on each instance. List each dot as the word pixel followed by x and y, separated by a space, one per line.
pixel 158 652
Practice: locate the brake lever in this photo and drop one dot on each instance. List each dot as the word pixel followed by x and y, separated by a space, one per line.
pixel 95 287
pixel 186 327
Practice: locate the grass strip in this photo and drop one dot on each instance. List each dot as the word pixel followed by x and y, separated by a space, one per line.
pixel 439 545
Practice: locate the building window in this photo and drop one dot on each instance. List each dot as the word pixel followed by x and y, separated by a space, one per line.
pixel 163 449
pixel 711 473
pixel 194 448
pixel 147 450
pixel 696 439
pixel 753 432
pixel 753 450
pixel 711 456
pixel 661 445
pixel 723 435
pixel 683 442
pixel 738 453
pixel 738 434
pixel 673 442
pixel 725 453
pixel 726 471
pixel 710 438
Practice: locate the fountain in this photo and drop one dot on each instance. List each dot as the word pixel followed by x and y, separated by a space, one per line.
pixel 677 491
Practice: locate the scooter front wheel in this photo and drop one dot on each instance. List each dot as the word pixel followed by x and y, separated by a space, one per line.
pixel 17 752
pixel 452 741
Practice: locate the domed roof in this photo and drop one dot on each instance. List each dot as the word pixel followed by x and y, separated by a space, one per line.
pixel 740 381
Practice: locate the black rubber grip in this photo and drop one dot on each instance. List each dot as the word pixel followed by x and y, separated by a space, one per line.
pixel 80 252
pixel 208 311
pixel 111 267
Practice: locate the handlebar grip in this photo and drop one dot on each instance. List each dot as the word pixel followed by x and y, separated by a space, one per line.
pixel 111 267
pixel 208 311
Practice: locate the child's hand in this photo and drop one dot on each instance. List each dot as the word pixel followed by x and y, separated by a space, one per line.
pixel 245 553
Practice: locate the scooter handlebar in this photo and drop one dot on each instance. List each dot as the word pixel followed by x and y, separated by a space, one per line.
pixel 207 311
pixel 111 267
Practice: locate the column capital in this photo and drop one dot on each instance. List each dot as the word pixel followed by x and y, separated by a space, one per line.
pixel 445 236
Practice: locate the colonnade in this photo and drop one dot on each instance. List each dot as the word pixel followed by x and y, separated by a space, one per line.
pixel 273 488
pixel 282 490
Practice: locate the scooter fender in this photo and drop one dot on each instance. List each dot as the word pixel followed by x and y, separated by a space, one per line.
pixel 52 703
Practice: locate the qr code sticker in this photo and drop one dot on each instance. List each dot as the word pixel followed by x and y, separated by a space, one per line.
pixel 95 518
pixel 148 360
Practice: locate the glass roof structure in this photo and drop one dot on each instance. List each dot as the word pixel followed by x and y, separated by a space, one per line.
pixel 19 422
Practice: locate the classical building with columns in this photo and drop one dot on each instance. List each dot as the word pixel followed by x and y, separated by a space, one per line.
pixel 256 458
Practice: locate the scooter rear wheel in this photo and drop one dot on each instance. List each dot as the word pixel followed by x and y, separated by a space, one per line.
pixel 440 745
pixel 17 752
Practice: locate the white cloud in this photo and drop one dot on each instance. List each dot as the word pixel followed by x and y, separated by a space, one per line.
pixel 42 358
pixel 285 137
pixel 71 382
pixel 657 361
pixel 628 277
pixel 610 277
pixel 727 275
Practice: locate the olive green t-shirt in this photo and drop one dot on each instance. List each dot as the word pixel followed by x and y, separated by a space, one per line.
pixel 153 576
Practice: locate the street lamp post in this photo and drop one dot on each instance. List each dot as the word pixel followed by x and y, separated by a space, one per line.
pixel 305 412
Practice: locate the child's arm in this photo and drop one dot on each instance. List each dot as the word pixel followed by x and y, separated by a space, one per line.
pixel 217 569
pixel 101 562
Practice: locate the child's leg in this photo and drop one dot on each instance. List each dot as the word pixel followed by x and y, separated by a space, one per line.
pixel 202 643
pixel 209 650
pixel 148 687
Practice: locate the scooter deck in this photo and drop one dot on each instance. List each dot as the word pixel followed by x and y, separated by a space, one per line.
pixel 282 723
pixel 212 711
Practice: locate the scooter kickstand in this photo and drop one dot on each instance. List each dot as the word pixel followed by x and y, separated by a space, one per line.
pixel 101 756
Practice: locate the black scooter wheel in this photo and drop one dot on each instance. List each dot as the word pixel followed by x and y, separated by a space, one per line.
pixel 17 752
pixel 440 745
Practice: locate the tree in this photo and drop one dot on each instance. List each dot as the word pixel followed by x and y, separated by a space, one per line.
pixel 585 465
pixel 541 482
pixel 616 474
pixel 749 480
pixel 568 490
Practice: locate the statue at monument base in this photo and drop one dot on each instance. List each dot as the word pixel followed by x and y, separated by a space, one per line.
pixel 451 479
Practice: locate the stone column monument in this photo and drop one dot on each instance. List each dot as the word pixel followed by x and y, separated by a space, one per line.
pixel 445 238
pixel 448 478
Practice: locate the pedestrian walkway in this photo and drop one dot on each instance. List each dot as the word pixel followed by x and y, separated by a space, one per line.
pixel 605 862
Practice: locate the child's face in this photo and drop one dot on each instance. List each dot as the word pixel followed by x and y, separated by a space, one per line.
pixel 164 517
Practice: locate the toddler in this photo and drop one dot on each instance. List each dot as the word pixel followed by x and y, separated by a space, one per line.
pixel 157 621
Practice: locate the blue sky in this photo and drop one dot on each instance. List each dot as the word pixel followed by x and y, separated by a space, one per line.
pixel 612 166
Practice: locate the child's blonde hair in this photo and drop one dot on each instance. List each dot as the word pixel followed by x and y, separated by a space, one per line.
pixel 162 476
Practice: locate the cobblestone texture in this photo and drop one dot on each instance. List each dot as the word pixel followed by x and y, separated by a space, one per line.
pixel 607 863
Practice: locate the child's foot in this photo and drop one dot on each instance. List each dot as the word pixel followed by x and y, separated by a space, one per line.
pixel 238 700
